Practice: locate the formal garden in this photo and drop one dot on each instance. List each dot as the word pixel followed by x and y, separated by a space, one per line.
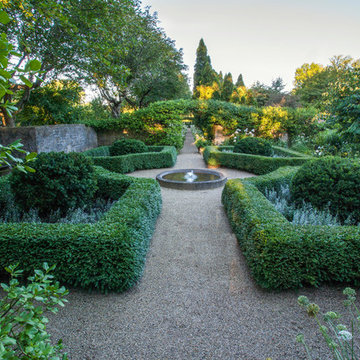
pixel 86 221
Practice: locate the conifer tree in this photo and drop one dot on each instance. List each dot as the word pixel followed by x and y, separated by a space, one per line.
pixel 239 81
pixel 227 88
pixel 204 74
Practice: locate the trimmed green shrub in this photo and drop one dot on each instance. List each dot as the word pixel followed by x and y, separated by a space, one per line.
pixel 215 156
pixel 99 151
pixel 108 255
pixel 127 146
pixel 158 157
pixel 61 182
pixel 281 255
pixel 332 183
pixel 252 145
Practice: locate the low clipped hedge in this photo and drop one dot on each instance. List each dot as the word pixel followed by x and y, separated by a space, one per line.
pixel 215 156
pixel 157 157
pixel 281 255
pixel 108 255
pixel 254 146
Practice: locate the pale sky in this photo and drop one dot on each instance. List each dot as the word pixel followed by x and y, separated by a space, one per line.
pixel 262 39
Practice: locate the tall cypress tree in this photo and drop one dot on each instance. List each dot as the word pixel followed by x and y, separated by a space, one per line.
pixel 227 88
pixel 239 81
pixel 204 74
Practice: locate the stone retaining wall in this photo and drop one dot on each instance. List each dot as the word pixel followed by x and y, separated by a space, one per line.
pixel 67 138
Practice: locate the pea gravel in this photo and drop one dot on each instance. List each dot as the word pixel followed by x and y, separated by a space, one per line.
pixel 196 300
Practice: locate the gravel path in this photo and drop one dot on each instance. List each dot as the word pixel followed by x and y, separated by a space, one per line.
pixel 196 299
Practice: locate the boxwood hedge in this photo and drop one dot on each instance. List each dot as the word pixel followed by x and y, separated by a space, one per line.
pixel 157 157
pixel 281 255
pixel 216 156
pixel 108 255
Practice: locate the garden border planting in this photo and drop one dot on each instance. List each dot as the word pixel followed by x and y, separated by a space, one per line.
pixel 281 255
pixel 156 158
pixel 108 255
pixel 214 156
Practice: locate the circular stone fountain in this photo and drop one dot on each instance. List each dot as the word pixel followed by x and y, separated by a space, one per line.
pixel 191 179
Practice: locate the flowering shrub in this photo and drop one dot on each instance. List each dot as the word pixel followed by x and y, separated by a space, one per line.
pixel 339 338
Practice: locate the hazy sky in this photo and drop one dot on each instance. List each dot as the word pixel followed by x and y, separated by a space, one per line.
pixel 262 39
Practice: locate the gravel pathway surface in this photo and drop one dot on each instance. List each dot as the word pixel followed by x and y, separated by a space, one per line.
pixel 196 299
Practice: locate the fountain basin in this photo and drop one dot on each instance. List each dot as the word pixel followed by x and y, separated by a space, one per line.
pixel 191 179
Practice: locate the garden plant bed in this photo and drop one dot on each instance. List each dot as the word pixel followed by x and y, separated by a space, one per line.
pixel 108 255
pixel 157 157
pixel 279 254
pixel 215 156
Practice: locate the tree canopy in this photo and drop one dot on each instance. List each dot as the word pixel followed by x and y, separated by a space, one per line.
pixel 112 44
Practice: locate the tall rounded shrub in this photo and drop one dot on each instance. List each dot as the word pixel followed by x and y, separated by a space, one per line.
pixel 330 182
pixel 127 146
pixel 254 146
pixel 60 182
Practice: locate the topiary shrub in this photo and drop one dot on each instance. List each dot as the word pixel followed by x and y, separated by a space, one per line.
pixel 60 182
pixel 330 182
pixel 254 146
pixel 127 146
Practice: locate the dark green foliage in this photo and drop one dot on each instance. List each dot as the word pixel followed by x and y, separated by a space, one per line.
pixel 227 87
pixel 61 181
pixel 5 192
pixel 106 256
pixel 55 103
pixel 204 74
pixel 255 146
pixel 127 146
pixel 344 99
pixel 256 164
pixel 281 255
pixel 330 182
pixel 157 157
pixel 239 81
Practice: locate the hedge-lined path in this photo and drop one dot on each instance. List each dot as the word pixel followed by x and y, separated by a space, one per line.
pixel 196 299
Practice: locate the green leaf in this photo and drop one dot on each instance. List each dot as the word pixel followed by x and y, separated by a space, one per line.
pixel 29 169
pixel 26 81
pixel 21 168
pixel 4 17
pixel 35 65
pixel 31 156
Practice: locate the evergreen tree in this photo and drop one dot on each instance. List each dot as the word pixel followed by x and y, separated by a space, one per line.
pixel 227 88
pixel 239 81
pixel 204 74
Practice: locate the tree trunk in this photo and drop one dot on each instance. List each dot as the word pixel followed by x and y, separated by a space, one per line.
pixel 8 120
pixel 115 109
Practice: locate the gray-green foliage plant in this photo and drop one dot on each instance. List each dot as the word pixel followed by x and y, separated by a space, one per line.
pixel 342 340
pixel 305 214
pixel 22 321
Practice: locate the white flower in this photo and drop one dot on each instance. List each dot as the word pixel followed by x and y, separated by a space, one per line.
pixel 345 335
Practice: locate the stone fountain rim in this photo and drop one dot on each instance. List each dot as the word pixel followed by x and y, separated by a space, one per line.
pixel 198 185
